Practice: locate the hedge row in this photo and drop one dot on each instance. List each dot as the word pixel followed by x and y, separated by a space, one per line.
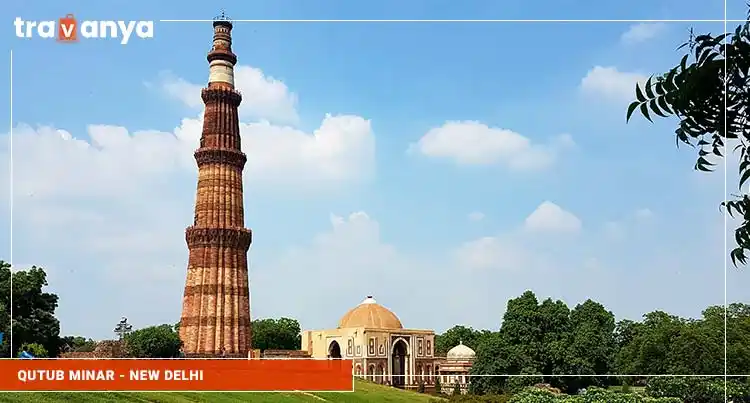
pixel 700 390
pixel 591 395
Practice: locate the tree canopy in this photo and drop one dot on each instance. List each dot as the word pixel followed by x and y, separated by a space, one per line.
pixel 277 334
pixel 76 344
pixel 708 92
pixel 34 320
pixel 458 334
pixel 548 338
pixel 154 342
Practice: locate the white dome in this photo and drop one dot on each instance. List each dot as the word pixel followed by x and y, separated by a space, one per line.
pixel 461 352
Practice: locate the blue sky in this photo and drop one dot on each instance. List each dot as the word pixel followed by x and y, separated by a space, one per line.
pixel 461 163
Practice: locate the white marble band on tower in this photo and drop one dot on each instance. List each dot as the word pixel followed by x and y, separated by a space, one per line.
pixel 221 71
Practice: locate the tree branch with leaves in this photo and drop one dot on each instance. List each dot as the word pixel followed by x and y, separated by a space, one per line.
pixel 708 92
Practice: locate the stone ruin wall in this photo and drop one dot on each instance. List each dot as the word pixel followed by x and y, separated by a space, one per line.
pixel 103 349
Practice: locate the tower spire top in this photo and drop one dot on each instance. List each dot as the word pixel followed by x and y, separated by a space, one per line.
pixel 222 19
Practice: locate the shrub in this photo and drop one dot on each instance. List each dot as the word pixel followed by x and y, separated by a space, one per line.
pixel 699 390
pixel 518 383
pixel 476 399
pixel 154 342
pixel 592 395
pixel 35 349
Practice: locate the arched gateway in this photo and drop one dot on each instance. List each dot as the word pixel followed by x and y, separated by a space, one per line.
pixel 375 340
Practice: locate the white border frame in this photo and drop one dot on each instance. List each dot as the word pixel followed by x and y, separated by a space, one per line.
pixel 725 21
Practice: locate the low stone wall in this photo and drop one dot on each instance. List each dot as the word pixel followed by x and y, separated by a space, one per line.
pixel 103 349
pixel 117 349
pixel 285 354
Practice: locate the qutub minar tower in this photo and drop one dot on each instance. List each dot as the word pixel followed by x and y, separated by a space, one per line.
pixel 216 305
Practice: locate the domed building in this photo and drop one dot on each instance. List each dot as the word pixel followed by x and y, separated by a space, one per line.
pixel 382 350
pixel 455 368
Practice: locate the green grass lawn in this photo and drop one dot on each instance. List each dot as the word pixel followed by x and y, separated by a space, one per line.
pixel 363 392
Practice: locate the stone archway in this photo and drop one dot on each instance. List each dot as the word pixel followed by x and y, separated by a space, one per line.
pixel 334 350
pixel 399 356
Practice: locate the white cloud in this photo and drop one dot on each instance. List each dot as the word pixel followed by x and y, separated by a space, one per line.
pixel 476 216
pixel 611 84
pixel 632 223
pixel 349 260
pixel 642 32
pixel 643 214
pixel 614 230
pixel 474 143
pixel 110 160
pixel 262 96
pixel 549 217
pixel 491 253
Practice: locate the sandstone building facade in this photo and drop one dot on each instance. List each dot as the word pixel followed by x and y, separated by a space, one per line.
pixel 383 350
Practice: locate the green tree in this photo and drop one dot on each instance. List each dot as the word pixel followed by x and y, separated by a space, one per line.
pixel 154 342
pixel 77 344
pixel 455 335
pixel 650 350
pixel 277 334
pixel 493 357
pixel 707 92
pixel 592 344
pixel 554 345
pixel 533 340
pixel 738 334
pixel 35 349
pixel 34 318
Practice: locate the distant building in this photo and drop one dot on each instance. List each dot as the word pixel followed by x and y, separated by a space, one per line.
pixel 383 351
pixel 454 369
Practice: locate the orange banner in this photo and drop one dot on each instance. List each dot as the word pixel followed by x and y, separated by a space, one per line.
pixel 175 375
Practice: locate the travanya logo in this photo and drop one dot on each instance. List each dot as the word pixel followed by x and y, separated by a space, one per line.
pixel 67 29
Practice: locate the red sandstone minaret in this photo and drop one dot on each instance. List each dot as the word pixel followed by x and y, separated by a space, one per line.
pixel 216 304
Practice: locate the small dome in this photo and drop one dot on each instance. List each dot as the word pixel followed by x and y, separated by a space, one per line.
pixel 461 352
pixel 370 314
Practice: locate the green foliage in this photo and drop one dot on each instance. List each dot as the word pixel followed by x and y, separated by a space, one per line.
pixel 438 386
pixel 35 349
pixel 457 389
pixel 458 334
pixel 699 390
pixel 546 338
pixel 34 318
pixel 666 344
pixel 592 395
pixel 707 91
pixel 479 398
pixel 516 384
pixel 420 387
pixel 277 334
pixel 154 342
pixel 77 344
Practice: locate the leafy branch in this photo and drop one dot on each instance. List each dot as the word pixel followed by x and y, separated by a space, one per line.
pixel 708 92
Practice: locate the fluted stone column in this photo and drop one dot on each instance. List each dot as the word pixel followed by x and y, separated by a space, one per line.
pixel 216 304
